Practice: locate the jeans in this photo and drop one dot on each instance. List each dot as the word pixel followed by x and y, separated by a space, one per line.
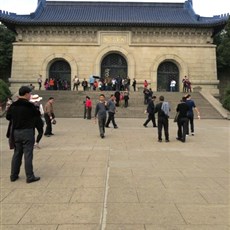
pixel 24 144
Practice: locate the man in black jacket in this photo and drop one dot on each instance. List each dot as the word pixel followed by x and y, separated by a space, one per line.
pixel 151 114
pixel 182 120
pixel 22 114
pixel 162 109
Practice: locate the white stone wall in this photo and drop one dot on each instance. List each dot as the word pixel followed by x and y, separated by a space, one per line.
pixel 144 49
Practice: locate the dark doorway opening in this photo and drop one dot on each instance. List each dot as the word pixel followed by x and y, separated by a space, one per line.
pixel 60 71
pixel 113 65
pixel 167 71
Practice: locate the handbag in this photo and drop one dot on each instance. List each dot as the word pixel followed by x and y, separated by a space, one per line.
pixel 176 117
pixel 10 135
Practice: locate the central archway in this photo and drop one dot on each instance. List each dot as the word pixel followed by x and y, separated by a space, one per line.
pixel 60 71
pixel 166 72
pixel 114 65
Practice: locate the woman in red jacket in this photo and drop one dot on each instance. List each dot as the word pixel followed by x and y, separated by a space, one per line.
pixel 88 105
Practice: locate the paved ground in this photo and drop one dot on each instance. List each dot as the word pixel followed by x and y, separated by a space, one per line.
pixel 127 181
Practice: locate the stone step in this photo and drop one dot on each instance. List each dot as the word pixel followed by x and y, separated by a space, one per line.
pixel 70 104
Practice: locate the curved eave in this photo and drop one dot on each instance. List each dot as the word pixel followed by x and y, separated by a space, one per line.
pixel 119 24
pixel 217 26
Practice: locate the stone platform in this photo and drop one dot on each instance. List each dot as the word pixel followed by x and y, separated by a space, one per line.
pixel 127 181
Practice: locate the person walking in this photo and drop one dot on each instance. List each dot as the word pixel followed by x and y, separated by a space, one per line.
pixel 22 114
pixel 49 117
pixel 182 120
pixel 151 114
pixel 191 105
pixel 162 109
pixel 35 99
pixel 100 114
pixel 111 106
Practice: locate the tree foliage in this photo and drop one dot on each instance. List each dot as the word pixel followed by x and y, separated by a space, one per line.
pixel 222 40
pixel 226 99
pixel 4 91
pixel 7 37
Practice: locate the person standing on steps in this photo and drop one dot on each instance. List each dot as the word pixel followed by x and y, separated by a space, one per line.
pixel 151 114
pixel 22 114
pixel 111 106
pixel 134 84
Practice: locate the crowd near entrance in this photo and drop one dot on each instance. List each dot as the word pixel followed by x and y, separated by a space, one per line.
pixel 114 65
pixel 166 73
pixel 60 73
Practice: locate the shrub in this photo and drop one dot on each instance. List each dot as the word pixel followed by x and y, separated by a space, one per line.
pixel 4 91
pixel 226 99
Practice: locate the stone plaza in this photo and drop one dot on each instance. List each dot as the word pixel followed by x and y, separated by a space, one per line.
pixel 127 181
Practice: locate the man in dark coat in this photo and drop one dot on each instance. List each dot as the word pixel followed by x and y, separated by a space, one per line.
pixel 23 114
pixel 151 114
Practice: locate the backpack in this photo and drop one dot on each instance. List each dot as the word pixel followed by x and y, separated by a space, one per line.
pixel 165 108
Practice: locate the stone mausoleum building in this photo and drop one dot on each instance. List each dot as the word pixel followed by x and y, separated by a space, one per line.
pixel 153 41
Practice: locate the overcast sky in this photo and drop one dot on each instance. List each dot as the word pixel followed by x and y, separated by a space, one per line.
pixel 201 7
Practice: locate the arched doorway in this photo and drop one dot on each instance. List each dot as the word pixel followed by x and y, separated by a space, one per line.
pixel 60 71
pixel 166 72
pixel 114 65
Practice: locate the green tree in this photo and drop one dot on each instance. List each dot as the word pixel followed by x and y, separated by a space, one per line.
pixel 222 40
pixel 7 37
pixel 4 91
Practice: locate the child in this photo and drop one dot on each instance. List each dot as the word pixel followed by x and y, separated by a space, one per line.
pixel 100 114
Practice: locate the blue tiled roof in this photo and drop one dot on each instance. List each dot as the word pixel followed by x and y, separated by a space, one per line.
pixel 112 14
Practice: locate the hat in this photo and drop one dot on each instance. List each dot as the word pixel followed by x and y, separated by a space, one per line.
pixel 35 98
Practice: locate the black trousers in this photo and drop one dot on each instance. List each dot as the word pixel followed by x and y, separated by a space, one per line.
pixel 88 112
pixel 151 117
pixel 182 124
pixel 24 144
pixel 191 121
pixel 48 125
pixel 163 122
pixel 101 124
pixel 126 102
pixel 75 86
pixel 111 118
pixel 39 126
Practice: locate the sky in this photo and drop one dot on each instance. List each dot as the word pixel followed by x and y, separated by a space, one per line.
pixel 202 7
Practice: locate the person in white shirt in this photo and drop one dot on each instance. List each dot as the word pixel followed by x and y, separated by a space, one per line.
pixel 173 86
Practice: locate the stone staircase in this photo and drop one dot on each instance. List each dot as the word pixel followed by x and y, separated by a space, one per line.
pixel 69 104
